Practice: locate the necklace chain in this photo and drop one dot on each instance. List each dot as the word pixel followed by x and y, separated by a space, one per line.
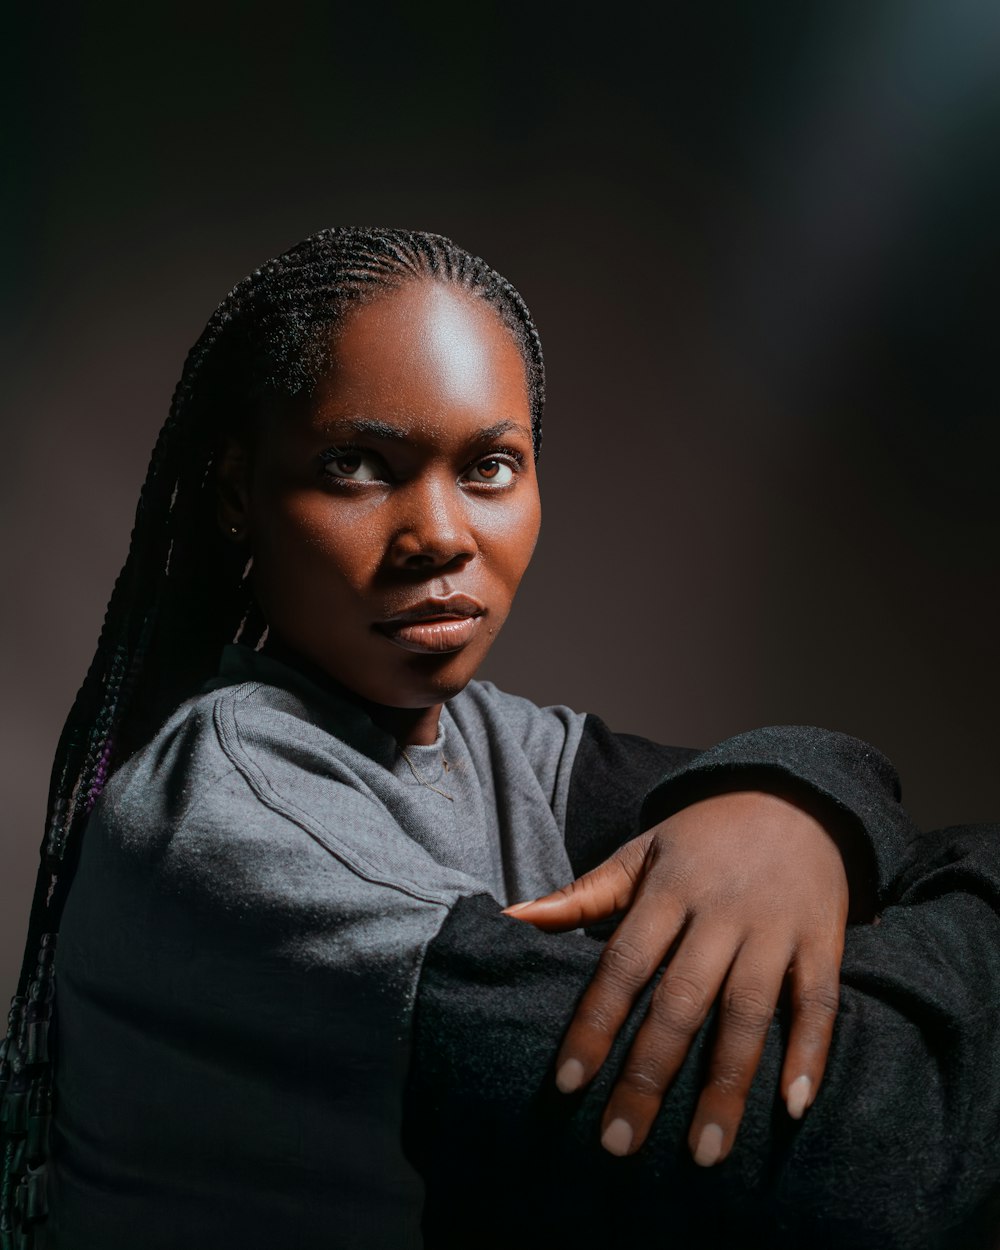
pixel 423 781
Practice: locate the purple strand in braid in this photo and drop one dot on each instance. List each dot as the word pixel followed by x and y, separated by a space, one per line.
pixel 182 593
pixel 101 775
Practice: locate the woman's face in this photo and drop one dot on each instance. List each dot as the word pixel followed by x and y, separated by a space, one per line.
pixel 391 519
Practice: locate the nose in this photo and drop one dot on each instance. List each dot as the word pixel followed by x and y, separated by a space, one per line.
pixel 434 530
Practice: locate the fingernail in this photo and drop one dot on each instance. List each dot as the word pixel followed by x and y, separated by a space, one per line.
pixel 617 1137
pixel 510 911
pixel 570 1076
pixel 709 1146
pixel 798 1096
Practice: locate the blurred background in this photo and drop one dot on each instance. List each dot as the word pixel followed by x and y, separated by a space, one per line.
pixel 760 243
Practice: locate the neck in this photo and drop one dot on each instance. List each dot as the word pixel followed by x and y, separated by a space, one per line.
pixel 410 726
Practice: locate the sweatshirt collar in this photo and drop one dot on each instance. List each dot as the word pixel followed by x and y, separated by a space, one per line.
pixel 324 701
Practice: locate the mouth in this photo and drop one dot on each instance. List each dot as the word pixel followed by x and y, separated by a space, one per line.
pixel 435 625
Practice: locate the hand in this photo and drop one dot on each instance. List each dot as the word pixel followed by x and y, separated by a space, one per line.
pixel 753 891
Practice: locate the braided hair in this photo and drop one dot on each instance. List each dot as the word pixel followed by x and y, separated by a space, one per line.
pixel 183 592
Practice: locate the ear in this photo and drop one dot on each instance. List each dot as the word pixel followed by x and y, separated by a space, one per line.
pixel 232 477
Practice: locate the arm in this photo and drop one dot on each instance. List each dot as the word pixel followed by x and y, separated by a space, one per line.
pixel 745 895
pixel 235 1041
pixel 621 785
pixel 743 887
pixel 898 1152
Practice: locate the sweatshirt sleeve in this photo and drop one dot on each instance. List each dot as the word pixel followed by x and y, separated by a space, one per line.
pixel 897 1153
pixel 622 784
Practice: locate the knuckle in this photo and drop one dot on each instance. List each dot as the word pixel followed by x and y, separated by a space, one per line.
pixel 625 962
pixel 729 1080
pixel 821 1001
pixel 632 858
pixel 680 1002
pixel 644 1078
pixel 595 1018
pixel 748 1010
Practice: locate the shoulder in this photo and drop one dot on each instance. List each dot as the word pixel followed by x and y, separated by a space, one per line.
pixel 537 730
pixel 242 788
pixel 241 729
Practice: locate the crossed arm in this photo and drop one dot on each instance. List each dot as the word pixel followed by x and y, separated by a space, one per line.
pixel 738 896
pixel 748 894
pixel 285 959
pixel 897 1149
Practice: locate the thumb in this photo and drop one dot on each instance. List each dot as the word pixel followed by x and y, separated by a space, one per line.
pixel 605 890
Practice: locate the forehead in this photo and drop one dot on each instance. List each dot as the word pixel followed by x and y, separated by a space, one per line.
pixel 426 351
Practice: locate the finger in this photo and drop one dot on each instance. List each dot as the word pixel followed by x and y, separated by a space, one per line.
pixel 605 890
pixel 747 1008
pixel 627 964
pixel 677 1010
pixel 815 1001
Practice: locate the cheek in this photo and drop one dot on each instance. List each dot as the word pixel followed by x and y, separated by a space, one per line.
pixel 508 541
pixel 304 535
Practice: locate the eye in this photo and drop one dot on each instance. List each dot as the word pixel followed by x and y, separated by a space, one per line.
pixel 494 470
pixel 352 464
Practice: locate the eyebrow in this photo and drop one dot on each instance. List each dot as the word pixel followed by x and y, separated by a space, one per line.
pixel 503 427
pixel 365 425
pixel 393 433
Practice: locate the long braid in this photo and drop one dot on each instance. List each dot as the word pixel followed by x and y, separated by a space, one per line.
pixel 182 593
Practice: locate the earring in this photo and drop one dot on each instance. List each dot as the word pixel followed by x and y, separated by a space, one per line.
pixel 234 530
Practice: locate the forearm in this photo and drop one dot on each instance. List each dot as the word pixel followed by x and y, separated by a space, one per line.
pixel 897 1152
pixel 623 784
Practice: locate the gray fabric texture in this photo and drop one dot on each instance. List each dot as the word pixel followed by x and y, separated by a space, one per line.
pixel 255 893
pixel 260 892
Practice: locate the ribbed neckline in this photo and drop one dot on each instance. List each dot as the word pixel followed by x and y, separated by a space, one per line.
pixel 329 703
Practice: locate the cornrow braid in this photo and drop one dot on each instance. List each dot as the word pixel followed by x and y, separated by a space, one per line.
pixel 183 593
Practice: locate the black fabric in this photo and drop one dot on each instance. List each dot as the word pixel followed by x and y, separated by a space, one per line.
pixel 612 774
pixel 901 1150
pixel 622 784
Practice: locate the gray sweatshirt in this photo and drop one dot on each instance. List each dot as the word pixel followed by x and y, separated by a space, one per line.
pixel 268 933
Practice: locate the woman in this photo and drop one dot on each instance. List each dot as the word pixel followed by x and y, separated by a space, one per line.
pixel 288 996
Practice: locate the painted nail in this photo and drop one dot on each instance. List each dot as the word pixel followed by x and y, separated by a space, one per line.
pixel 617 1137
pixel 709 1146
pixel 798 1096
pixel 570 1076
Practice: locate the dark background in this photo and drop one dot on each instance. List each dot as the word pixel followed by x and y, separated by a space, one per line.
pixel 761 245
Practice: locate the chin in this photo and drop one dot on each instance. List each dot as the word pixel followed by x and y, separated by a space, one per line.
pixel 424 689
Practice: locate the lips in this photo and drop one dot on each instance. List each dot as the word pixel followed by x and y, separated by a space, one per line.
pixel 436 624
